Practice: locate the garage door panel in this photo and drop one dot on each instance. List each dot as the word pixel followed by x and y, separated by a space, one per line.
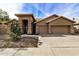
pixel 60 29
pixel 43 29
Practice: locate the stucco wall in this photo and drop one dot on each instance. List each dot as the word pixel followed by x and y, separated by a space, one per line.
pixel 4 29
pixel 30 21
pixel 61 21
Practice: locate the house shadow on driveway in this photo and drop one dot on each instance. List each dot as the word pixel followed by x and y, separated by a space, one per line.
pixel 53 35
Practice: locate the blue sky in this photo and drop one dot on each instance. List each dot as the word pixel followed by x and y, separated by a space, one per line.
pixel 45 9
pixel 41 10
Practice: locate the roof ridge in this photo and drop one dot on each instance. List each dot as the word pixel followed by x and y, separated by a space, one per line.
pixel 53 19
pixel 60 17
pixel 68 19
pixel 47 17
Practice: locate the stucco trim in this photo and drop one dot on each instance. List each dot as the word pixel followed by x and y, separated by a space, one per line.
pixel 60 17
pixel 23 15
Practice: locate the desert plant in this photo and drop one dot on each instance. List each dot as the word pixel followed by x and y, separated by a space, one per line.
pixel 15 32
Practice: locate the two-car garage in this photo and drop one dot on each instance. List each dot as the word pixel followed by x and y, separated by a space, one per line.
pixel 58 25
pixel 54 30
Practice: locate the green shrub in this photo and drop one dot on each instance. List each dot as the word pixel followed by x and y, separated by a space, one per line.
pixel 15 32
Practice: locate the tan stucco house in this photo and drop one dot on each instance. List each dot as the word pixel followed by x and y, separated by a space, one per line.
pixel 49 25
pixel 53 24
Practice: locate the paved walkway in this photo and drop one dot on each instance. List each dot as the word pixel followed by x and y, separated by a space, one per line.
pixel 55 45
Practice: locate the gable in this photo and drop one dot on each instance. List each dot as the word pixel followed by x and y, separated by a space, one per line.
pixel 61 21
pixel 43 21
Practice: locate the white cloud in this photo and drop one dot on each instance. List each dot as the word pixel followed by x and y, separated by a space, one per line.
pixel 68 11
pixel 40 9
pixel 11 8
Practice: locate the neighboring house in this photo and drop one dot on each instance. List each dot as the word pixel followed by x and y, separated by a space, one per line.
pixel 53 24
pixel 76 26
pixel 11 23
pixel 5 26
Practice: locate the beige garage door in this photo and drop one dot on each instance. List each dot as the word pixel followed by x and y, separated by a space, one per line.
pixel 60 29
pixel 42 29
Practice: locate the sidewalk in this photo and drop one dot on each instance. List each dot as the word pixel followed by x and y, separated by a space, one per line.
pixel 39 52
pixel 26 52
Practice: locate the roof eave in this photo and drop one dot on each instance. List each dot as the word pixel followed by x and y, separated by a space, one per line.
pixel 47 17
pixel 63 17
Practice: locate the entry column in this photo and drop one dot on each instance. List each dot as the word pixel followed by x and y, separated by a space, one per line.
pixel 29 28
pixel 72 30
pixel 49 28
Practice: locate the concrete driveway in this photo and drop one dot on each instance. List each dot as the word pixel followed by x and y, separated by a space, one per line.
pixel 60 41
pixel 50 45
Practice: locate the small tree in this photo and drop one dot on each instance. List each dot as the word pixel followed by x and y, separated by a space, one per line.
pixel 15 32
pixel 4 16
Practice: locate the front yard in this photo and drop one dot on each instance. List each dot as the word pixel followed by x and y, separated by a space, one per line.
pixel 24 42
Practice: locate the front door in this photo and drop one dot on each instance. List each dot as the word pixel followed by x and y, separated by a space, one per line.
pixel 24 26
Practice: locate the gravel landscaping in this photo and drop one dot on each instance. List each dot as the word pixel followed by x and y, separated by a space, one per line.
pixel 24 42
